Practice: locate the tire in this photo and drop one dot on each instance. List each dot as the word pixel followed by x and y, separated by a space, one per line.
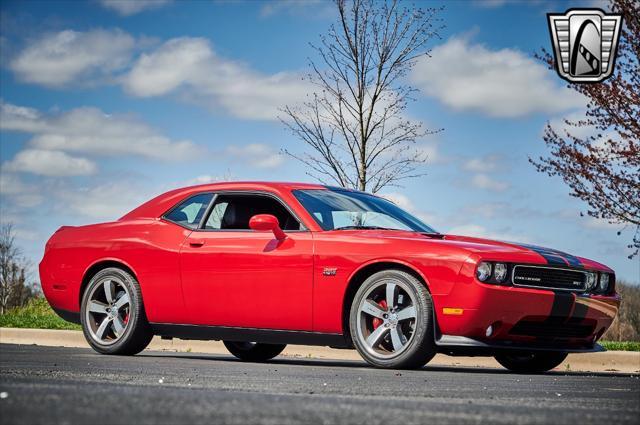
pixel 254 351
pixel 392 337
pixel 531 362
pixel 126 330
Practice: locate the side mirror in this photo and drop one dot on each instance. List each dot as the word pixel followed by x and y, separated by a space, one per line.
pixel 265 222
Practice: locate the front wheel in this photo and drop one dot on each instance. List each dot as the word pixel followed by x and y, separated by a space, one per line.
pixel 254 351
pixel 391 321
pixel 531 362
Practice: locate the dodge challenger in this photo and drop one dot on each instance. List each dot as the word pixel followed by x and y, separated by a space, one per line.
pixel 260 265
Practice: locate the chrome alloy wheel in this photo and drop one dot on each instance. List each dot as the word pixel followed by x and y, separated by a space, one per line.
pixel 386 319
pixel 107 312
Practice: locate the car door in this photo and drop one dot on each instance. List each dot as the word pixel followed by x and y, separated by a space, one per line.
pixel 234 276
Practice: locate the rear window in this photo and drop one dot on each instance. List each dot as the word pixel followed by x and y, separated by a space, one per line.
pixel 190 212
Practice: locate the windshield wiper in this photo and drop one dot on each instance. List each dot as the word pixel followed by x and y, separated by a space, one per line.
pixel 363 228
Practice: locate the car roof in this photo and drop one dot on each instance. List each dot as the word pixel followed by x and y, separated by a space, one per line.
pixel 160 204
pixel 247 185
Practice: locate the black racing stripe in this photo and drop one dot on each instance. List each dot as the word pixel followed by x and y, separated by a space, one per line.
pixel 561 308
pixel 551 257
pixel 572 260
pixel 554 256
pixel 579 312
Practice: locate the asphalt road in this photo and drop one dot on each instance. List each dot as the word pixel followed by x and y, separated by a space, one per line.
pixel 73 385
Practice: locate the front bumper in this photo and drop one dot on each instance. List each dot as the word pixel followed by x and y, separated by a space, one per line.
pixel 521 318
pixel 463 346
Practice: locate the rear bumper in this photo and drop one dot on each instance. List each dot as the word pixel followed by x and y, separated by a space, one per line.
pixel 69 316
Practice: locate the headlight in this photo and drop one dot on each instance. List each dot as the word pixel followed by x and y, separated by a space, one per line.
pixel 500 272
pixel 484 271
pixel 591 281
pixel 603 286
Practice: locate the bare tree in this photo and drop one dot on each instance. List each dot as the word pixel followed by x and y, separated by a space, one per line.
pixel 354 122
pixel 12 268
pixel 603 169
pixel 626 326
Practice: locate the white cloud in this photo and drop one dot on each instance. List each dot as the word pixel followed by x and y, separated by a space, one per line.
pixel 296 7
pixel 598 138
pixel 186 67
pixel 490 4
pixel 56 60
pixel 91 131
pixel 499 83
pixel 107 201
pixel 404 202
pixel 23 194
pixel 257 155
pixel 483 164
pixel 598 223
pixel 131 7
pixel 49 163
pixel 208 178
pixel 400 199
pixel 479 231
pixel 483 181
pixel 559 125
pixel 190 68
pixel 488 210
pixel 430 151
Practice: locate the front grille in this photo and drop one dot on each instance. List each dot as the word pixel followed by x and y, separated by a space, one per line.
pixel 552 330
pixel 550 278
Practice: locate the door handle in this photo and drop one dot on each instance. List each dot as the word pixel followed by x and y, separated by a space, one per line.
pixel 196 243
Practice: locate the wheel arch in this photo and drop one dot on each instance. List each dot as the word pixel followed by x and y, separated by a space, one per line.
pixel 358 277
pixel 101 265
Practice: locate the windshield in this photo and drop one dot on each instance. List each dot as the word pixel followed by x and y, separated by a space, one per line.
pixel 336 209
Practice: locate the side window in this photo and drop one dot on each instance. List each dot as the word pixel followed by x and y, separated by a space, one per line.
pixel 215 217
pixel 190 212
pixel 233 212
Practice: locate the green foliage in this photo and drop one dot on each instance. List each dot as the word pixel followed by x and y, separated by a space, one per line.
pixel 621 345
pixel 35 314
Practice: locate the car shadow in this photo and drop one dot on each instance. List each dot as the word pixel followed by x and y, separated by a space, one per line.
pixel 355 364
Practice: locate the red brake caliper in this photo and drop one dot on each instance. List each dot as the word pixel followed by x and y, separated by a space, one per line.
pixel 376 321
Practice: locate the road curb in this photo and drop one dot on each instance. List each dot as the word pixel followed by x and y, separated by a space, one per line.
pixel 610 361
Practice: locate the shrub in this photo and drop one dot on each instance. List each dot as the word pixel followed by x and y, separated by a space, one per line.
pixel 35 314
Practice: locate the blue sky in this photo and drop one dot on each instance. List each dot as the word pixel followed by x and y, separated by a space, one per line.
pixel 106 104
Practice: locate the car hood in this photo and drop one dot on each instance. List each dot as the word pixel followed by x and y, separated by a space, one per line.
pixel 495 250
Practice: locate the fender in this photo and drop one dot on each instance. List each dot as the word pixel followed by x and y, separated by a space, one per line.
pixel 96 263
pixel 389 260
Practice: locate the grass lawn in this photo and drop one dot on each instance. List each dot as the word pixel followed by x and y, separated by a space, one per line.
pixel 621 345
pixel 36 314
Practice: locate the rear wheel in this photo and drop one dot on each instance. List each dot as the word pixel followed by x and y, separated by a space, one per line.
pixel 531 362
pixel 112 314
pixel 254 351
pixel 391 321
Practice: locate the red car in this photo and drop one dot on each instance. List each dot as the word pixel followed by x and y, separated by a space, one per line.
pixel 261 265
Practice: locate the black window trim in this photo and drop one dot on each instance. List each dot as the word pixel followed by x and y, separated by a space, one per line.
pixel 182 201
pixel 205 217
